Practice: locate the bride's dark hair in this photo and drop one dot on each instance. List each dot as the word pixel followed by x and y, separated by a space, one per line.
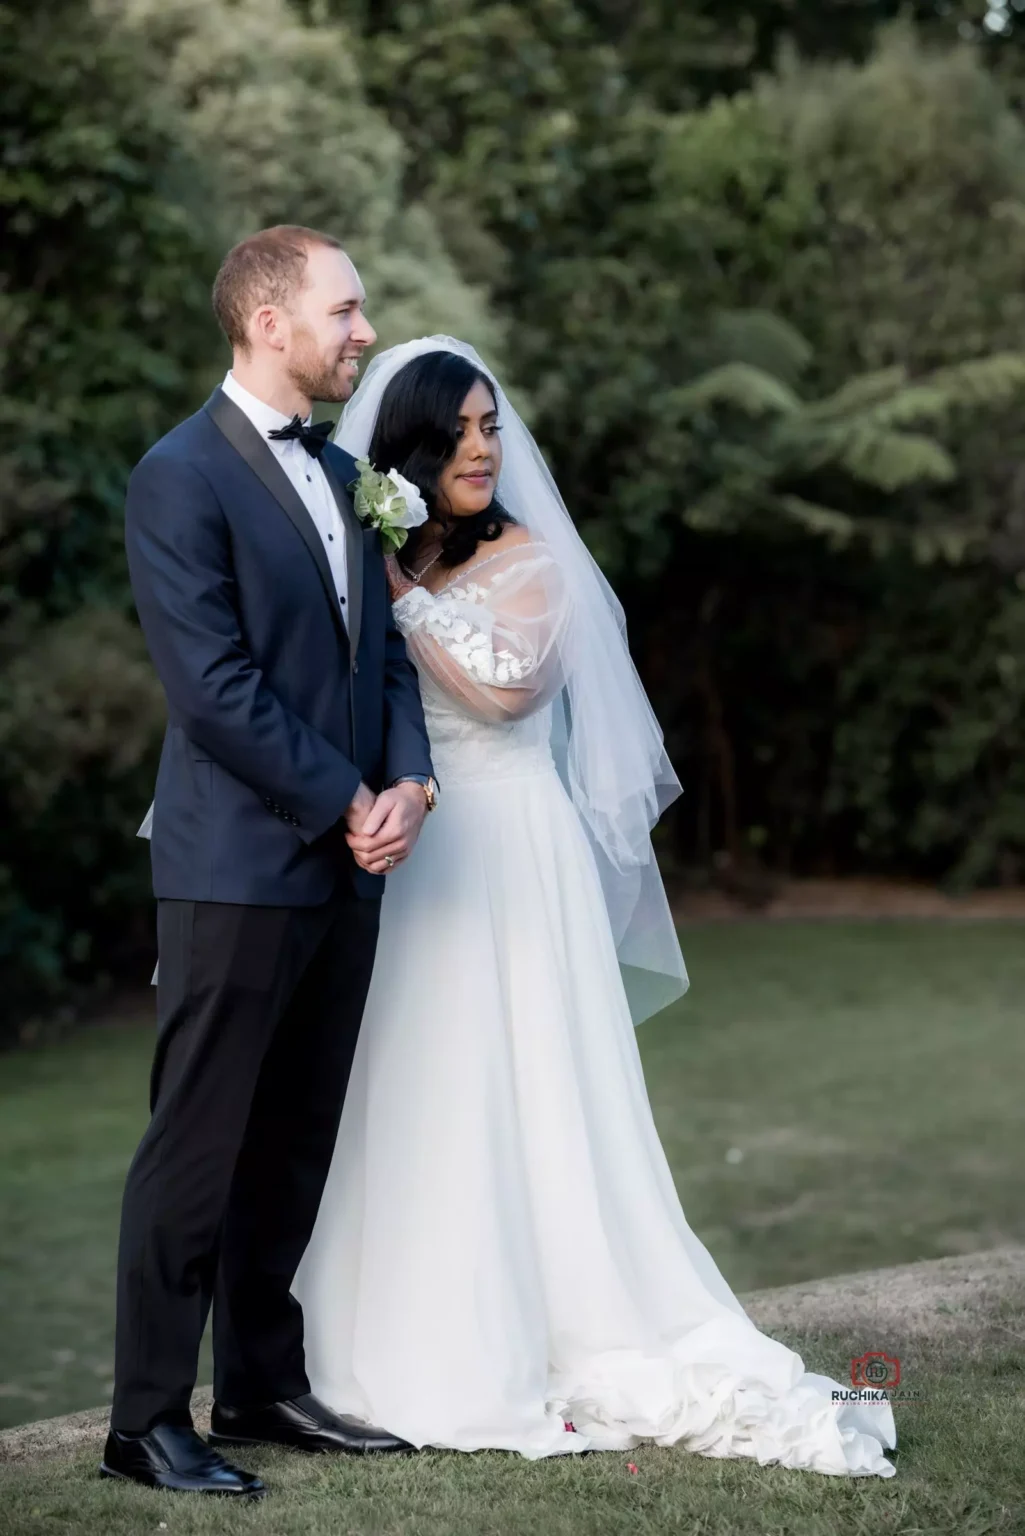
pixel 416 433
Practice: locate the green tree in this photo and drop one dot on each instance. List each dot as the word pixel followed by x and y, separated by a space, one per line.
pixel 683 55
pixel 276 111
pixel 105 317
pixel 137 141
pixel 879 209
pixel 802 303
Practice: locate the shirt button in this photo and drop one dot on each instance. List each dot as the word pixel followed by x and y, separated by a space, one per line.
pixel 331 538
pixel 310 479
pixel 355 666
pixel 341 598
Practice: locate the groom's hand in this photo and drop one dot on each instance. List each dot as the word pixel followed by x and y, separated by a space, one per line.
pixel 360 807
pixel 390 830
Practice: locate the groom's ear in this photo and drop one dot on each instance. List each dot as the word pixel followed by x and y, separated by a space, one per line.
pixel 268 326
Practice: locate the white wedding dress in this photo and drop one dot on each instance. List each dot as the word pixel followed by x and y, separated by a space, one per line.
pixel 500 1248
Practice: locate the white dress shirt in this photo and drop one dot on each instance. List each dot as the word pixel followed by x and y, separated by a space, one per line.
pixel 306 474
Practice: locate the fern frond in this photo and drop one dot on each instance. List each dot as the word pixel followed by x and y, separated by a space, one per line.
pixel 763 340
pixel 944 542
pixel 892 460
pixel 823 522
pixel 720 509
pixel 857 394
pixel 916 403
pixel 740 385
pixel 983 381
pixel 886 460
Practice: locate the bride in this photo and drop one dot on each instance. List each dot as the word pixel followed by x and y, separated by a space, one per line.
pixel 501 1259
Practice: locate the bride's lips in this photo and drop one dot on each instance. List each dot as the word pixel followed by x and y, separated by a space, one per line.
pixel 478 477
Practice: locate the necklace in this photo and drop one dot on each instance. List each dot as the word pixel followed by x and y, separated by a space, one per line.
pixel 434 558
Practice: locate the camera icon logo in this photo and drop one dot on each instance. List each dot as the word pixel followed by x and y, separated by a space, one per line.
pixel 876 1370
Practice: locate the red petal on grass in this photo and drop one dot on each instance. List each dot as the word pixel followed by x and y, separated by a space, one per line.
pixel 631 1467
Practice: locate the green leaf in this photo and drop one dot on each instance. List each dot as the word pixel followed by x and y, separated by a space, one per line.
pixel 892 460
pixel 748 389
pixel 823 522
pixel 763 340
pixel 865 389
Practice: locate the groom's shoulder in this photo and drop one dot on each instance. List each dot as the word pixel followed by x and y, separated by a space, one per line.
pixel 188 439
pixel 190 455
pixel 184 462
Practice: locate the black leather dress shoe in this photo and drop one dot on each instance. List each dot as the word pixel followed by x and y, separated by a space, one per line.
pixel 304 1422
pixel 174 1456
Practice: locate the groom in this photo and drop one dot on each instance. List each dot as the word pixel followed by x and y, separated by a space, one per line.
pixel 295 772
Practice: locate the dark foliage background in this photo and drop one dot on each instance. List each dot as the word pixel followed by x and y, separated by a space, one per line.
pixel 759 280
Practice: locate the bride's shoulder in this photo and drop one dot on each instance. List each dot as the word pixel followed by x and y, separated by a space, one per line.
pixel 515 550
pixel 513 539
pixel 513 534
pixel 496 562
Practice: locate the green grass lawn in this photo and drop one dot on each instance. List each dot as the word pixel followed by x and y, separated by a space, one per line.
pixel 831 1097
pixel 960 1473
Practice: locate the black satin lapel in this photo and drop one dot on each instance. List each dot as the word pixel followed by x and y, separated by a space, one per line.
pixel 353 552
pixel 244 438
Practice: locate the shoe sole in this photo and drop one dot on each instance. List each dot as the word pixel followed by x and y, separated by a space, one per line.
pixel 310 1450
pixel 218 1493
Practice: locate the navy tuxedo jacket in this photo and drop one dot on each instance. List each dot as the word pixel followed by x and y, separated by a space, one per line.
pixel 276 708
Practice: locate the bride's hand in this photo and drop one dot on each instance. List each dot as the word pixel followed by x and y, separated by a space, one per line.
pixel 398 582
pixel 389 832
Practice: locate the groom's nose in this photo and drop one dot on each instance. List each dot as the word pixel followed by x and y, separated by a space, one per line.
pixel 363 332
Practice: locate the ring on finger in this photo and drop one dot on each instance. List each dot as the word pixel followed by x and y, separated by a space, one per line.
pixel 389 861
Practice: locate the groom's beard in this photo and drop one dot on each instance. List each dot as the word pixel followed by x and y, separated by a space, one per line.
pixel 315 378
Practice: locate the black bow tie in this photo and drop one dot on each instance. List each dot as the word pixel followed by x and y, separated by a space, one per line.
pixel 313 439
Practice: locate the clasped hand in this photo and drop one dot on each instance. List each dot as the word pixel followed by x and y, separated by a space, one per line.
pixel 385 826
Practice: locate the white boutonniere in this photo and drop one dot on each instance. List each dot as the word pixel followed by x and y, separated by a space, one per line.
pixel 390 503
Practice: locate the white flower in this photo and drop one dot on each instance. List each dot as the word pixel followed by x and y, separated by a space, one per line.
pixel 414 510
pixel 390 503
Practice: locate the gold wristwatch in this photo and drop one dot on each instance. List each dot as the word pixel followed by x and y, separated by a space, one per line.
pixel 428 785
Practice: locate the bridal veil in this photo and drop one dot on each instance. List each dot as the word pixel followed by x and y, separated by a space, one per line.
pixel 605 737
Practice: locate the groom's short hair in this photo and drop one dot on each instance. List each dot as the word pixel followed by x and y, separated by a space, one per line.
pixel 265 268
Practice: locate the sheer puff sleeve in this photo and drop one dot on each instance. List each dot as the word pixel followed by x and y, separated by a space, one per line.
pixel 492 638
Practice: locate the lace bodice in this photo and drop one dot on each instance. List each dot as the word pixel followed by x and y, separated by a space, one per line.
pixel 465 750
pixel 486 649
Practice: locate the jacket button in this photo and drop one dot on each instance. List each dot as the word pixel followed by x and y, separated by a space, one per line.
pixel 355 666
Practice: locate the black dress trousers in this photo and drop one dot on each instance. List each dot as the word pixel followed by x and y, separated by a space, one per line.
pixel 259 1011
